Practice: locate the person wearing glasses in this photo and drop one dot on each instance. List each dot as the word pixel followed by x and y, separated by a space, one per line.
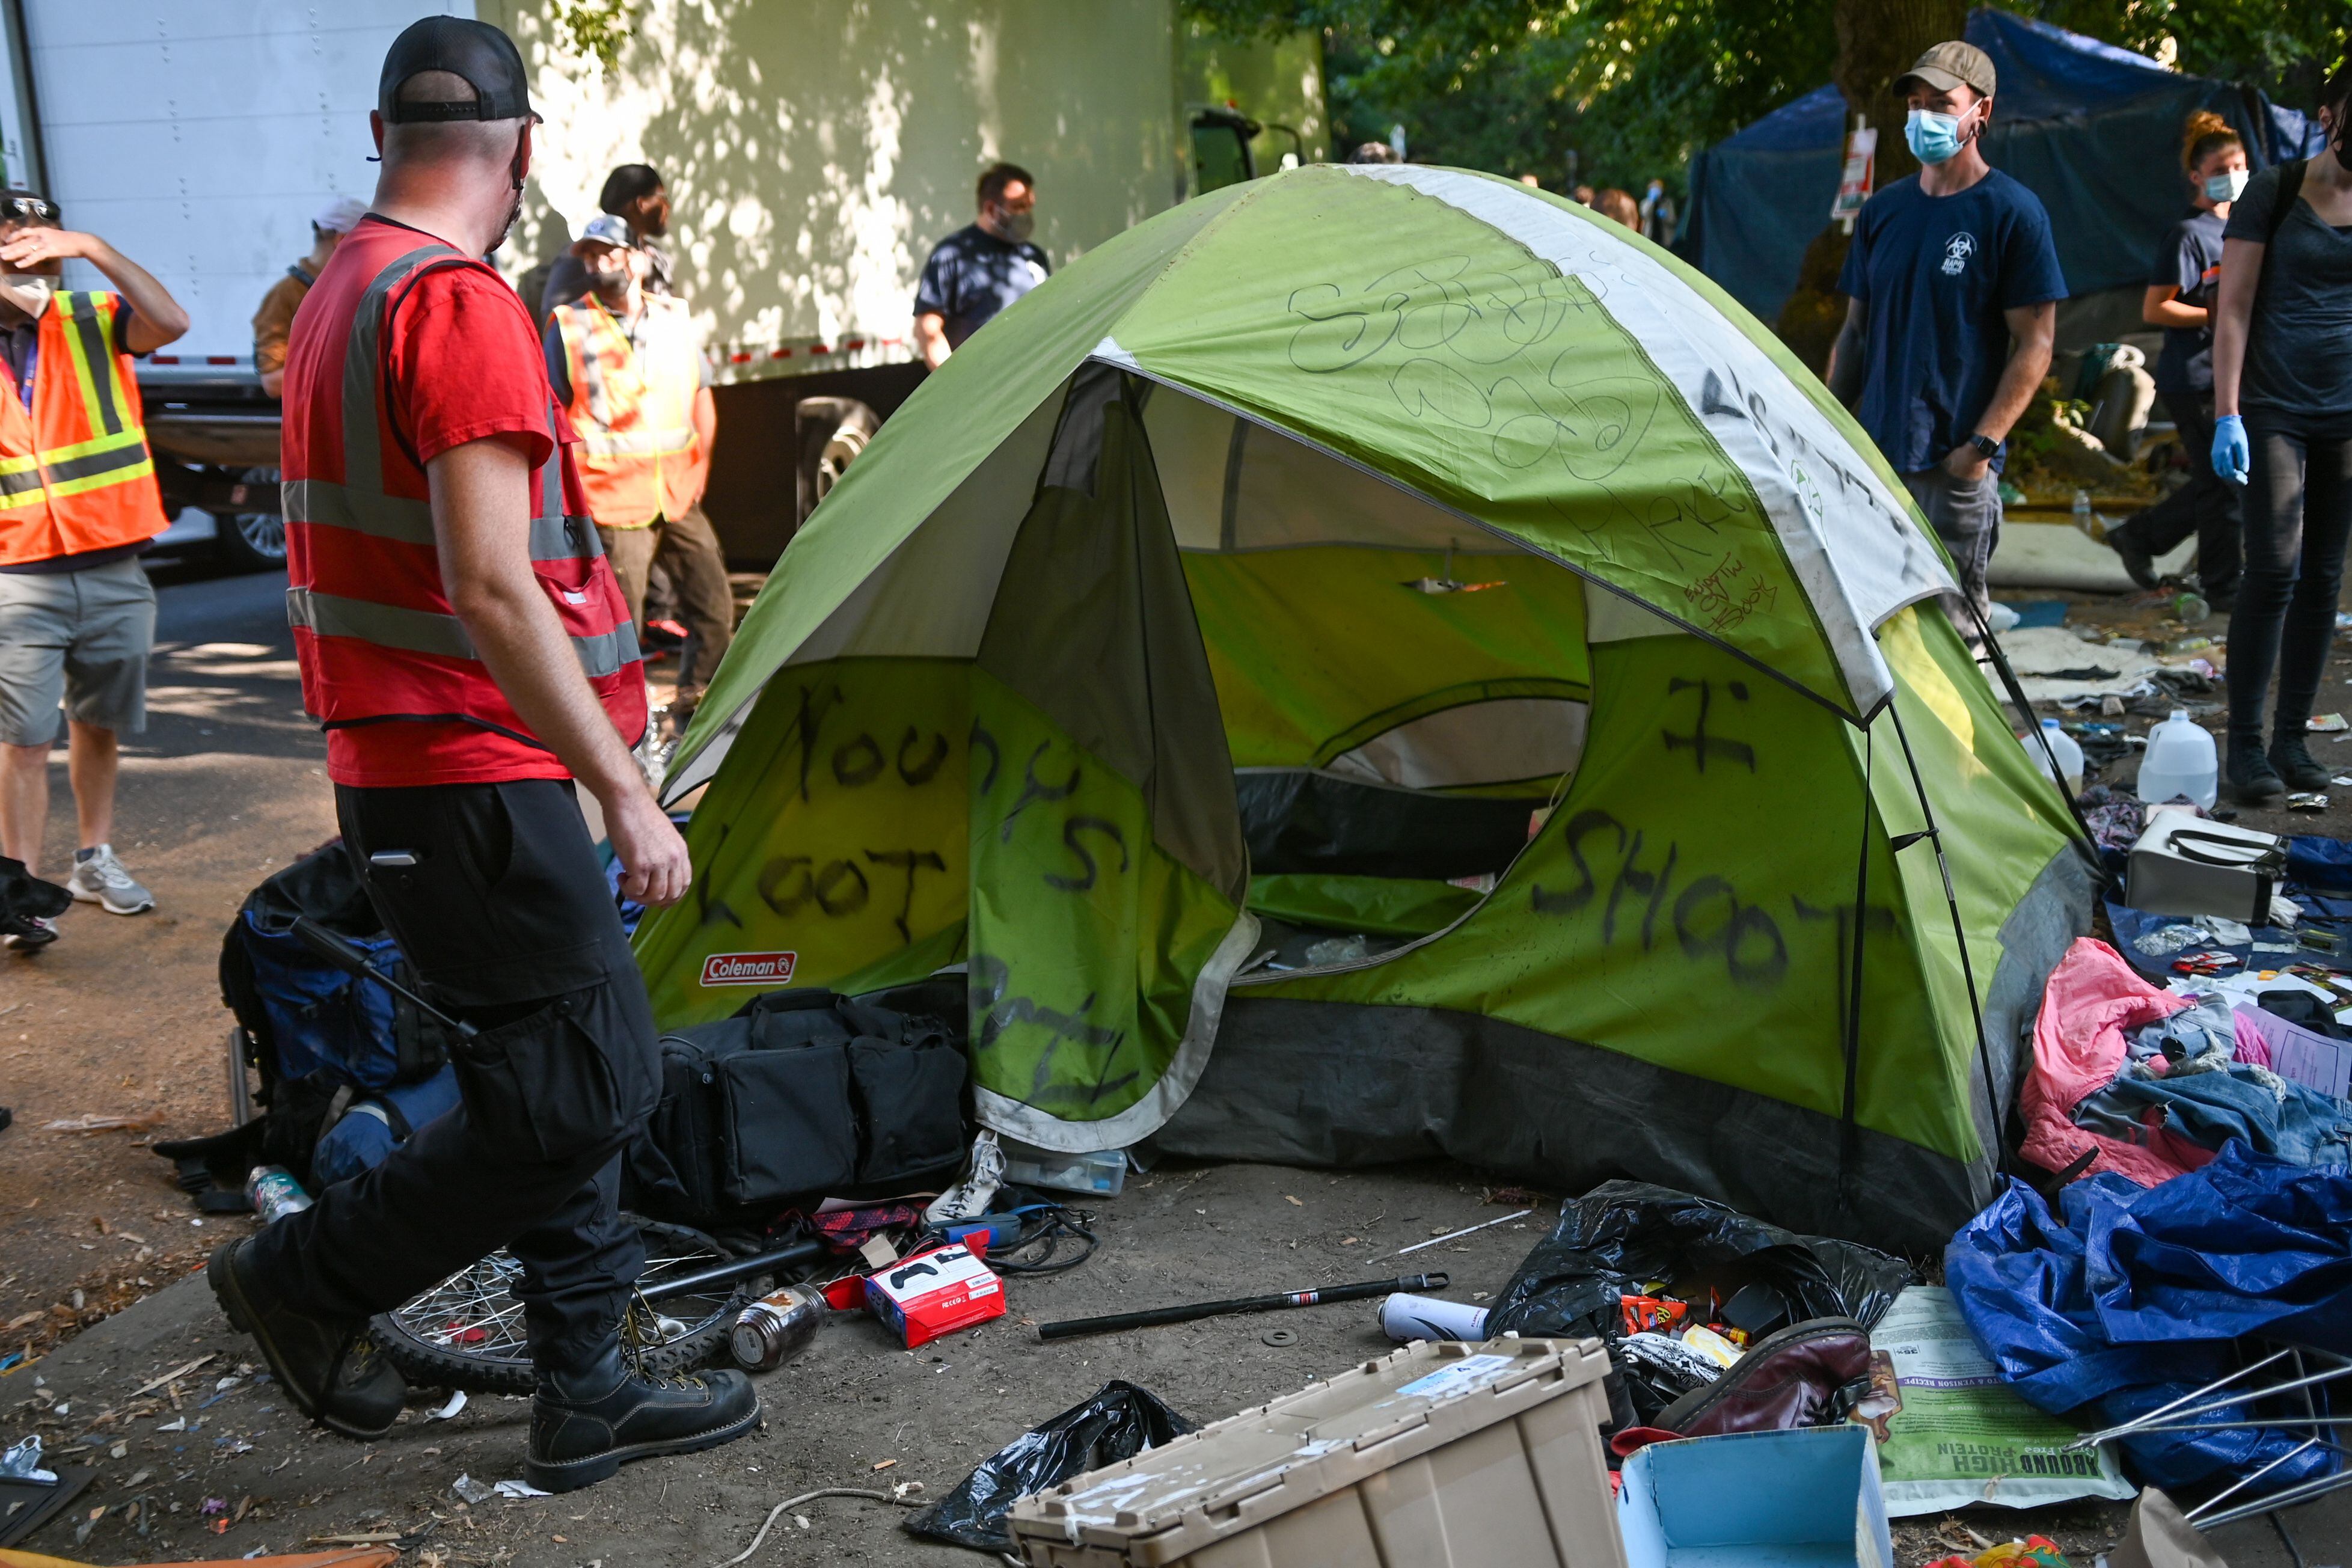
pixel 78 507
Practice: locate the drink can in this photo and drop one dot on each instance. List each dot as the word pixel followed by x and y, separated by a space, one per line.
pixel 771 1331
pixel 1405 1319
pixel 275 1194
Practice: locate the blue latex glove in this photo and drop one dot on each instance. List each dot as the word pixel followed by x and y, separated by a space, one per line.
pixel 2231 456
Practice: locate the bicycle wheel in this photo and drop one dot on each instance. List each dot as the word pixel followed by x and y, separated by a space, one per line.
pixel 468 1331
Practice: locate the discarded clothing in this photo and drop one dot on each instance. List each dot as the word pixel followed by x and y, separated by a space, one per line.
pixel 2129 1299
pixel 2091 1000
pixel 2233 1099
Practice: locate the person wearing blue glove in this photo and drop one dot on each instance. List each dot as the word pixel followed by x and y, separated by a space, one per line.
pixel 2282 428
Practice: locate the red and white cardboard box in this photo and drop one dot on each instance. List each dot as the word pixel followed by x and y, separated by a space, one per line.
pixel 934 1293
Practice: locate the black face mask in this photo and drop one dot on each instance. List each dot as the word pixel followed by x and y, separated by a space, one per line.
pixel 514 172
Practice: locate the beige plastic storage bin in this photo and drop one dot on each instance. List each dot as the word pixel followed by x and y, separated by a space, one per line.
pixel 1441 1456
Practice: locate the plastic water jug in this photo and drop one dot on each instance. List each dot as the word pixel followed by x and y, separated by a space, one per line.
pixel 2181 760
pixel 2070 755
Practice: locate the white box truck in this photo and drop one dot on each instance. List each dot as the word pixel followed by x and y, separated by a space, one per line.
pixel 813 150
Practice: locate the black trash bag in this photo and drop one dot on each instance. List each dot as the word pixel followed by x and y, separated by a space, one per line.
pixel 1118 1422
pixel 1621 1236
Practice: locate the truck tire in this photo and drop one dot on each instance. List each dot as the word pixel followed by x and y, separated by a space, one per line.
pixel 252 540
pixel 832 431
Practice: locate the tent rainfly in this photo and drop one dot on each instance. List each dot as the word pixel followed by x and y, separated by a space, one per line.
pixel 1380 661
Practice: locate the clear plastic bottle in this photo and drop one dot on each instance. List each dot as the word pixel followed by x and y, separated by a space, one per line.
pixel 2181 760
pixel 2083 518
pixel 273 1193
pixel 2070 755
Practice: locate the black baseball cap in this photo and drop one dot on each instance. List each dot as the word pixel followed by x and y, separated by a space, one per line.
pixel 475 50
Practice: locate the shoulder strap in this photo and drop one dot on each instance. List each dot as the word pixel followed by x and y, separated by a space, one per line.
pixel 2290 191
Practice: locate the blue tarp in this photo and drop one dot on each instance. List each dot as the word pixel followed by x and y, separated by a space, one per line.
pixel 2132 1296
pixel 2092 130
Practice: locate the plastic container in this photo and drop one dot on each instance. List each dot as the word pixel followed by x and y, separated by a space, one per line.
pixel 1100 1173
pixel 2070 755
pixel 1439 1455
pixel 1405 1319
pixel 2181 760
pixel 273 1193
pixel 2084 520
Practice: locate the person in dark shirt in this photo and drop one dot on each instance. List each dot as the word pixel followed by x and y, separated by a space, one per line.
pixel 1948 268
pixel 975 272
pixel 635 194
pixel 2180 300
pixel 2283 427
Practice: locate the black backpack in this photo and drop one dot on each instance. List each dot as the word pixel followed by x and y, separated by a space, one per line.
pixel 803 1095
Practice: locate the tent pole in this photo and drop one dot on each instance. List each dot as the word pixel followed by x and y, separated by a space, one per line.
pixel 1849 1138
pixel 1959 935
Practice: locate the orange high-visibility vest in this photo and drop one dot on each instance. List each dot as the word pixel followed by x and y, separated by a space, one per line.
pixel 75 473
pixel 632 405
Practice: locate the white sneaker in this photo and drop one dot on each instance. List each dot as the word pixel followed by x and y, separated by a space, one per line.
pixel 42 933
pixel 101 881
pixel 969 1198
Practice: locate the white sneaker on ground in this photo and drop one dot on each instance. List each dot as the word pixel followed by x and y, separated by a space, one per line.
pixel 42 933
pixel 101 881
pixel 969 1198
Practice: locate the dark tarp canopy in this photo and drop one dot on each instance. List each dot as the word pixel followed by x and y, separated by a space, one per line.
pixel 2089 127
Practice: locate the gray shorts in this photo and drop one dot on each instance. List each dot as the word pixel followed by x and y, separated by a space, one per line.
pixel 79 638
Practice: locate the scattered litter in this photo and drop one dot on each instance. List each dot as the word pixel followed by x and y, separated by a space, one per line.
pixel 2306 799
pixel 457 1403
pixel 1119 1421
pixel 1406 1318
pixel 2326 724
pixel 180 1371
pixel 1280 1339
pixel 885 1464
pixel 177 1424
pixel 934 1293
pixel 2033 1552
pixel 23 1463
pixel 520 1489
pixel 125 1124
pixel 1957 1435
pixel 1465 1230
pixel 472 1490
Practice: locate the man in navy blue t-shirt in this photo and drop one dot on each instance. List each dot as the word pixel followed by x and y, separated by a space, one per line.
pixel 1953 287
pixel 977 271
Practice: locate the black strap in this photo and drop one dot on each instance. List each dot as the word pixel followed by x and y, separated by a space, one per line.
pixel 2290 191
pixel 2262 858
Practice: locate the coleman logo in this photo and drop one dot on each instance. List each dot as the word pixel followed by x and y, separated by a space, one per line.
pixel 749 968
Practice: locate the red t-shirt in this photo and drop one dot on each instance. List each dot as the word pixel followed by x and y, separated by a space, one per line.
pixel 461 362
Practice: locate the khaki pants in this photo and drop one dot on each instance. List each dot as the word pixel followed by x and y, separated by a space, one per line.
pixel 688 551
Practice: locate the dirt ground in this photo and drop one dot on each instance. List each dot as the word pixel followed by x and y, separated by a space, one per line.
pixel 121 1018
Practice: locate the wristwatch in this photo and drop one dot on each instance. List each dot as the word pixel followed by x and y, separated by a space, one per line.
pixel 1986 445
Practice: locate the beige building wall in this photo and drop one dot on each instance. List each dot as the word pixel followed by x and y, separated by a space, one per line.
pixel 814 149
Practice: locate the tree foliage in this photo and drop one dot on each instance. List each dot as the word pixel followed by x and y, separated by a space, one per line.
pixel 1635 87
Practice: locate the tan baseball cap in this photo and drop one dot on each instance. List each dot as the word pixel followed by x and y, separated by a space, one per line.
pixel 1951 65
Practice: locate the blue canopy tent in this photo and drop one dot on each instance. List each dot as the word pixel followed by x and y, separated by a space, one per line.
pixel 2092 130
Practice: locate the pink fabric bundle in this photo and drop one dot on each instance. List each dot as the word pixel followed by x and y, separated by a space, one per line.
pixel 2091 1001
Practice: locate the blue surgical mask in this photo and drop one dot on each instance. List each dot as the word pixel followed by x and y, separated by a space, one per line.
pixel 1934 137
pixel 2227 187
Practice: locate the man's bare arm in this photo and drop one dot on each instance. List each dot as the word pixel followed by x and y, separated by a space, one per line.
pixel 156 319
pixel 2035 330
pixel 481 524
pixel 1845 376
pixel 931 338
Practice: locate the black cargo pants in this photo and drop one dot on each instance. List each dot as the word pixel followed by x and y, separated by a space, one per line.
pixel 506 918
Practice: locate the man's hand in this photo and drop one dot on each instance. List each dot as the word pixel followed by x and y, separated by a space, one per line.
pixel 655 870
pixel 156 319
pixel 1965 463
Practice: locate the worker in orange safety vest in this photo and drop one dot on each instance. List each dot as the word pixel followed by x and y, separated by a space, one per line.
pixel 629 367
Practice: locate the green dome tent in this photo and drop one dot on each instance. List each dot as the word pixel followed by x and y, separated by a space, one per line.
pixel 1377 661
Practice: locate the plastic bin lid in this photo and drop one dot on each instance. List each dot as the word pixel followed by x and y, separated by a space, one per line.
pixel 1304 1446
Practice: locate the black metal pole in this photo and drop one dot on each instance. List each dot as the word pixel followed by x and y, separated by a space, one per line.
pixel 353 961
pixel 741 1268
pixel 1070 1327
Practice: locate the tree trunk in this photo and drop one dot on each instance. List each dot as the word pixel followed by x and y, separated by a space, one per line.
pixel 1877 40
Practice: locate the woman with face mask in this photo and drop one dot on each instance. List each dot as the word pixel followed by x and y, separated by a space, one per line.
pixel 2180 300
pixel 2282 428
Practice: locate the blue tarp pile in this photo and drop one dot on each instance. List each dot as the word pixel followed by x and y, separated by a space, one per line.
pixel 2130 1297
pixel 2092 130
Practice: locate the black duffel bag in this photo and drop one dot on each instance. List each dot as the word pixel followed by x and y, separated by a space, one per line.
pixel 804 1095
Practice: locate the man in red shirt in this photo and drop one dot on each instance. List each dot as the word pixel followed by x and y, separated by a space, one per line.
pixel 463 641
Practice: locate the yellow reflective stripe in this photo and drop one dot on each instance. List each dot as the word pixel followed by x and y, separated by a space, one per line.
pixel 65 303
pixel 52 456
pixel 637 443
pixel 32 497
pixel 20 464
pixel 138 470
